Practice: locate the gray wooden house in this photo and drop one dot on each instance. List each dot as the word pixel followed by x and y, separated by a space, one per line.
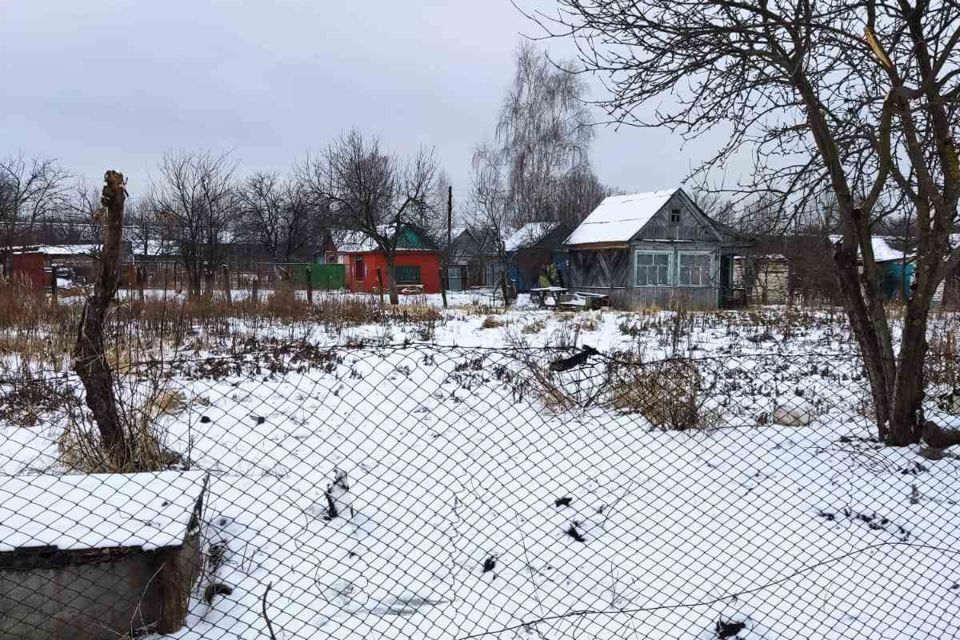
pixel 655 249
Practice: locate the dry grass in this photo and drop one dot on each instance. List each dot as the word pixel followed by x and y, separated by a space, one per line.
pixel 142 402
pixel 666 393
pixel 534 327
pixel 26 396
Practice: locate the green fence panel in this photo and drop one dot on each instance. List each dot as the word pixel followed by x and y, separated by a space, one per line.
pixel 322 276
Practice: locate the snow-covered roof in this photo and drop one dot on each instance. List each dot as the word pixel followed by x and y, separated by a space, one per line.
pixel 528 234
pixel 148 510
pixel 355 242
pixel 619 218
pixel 61 249
pixel 347 241
pixel 882 251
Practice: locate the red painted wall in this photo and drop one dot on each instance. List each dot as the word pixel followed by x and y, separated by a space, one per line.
pixel 30 268
pixel 428 261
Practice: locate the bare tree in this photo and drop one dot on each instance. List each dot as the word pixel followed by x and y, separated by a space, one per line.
pixel 491 208
pixel 277 213
pixel 195 201
pixel 373 194
pixel 855 99
pixel 30 190
pixel 543 136
pixel 143 227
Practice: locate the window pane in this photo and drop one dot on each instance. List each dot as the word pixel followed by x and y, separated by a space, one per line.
pixel 695 269
pixel 407 274
pixel 652 268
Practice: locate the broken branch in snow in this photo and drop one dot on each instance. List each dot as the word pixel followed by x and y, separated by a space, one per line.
pixel 263 602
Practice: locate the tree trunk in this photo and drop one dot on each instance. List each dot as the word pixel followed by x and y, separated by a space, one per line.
pixel 906 420
pixel 90 361
pixel 875 361
pixel 392 279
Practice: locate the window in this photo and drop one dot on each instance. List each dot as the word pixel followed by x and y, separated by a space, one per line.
pixel 695 269
pixel 653 269
pixel 359 272
pixel 675 215
pixel 407 274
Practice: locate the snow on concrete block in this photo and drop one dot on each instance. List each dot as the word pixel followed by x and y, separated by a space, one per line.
pixel 94 557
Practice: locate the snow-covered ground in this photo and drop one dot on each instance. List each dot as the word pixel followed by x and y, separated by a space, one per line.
pixel 476 507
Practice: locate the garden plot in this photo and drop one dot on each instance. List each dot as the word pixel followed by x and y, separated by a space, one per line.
pixel 478 508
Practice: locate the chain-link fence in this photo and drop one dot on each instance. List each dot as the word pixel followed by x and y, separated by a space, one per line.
pixel 418 491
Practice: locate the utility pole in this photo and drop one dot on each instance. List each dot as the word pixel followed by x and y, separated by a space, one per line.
pixel 444 271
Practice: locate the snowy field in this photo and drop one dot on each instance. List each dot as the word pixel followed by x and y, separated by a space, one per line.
pixel 477 507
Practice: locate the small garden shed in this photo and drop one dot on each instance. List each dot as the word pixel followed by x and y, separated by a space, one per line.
pixel 535 250
pixel 98 557
pixel 655 249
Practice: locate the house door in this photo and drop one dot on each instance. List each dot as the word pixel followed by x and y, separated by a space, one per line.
pixel 727 296
pixel 455 278
pixel 359 270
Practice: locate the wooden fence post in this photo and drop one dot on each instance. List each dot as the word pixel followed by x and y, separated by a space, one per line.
pixel 226 285
pixel 53 281
pixel 443 287
pixel 380 284
pixel 309 284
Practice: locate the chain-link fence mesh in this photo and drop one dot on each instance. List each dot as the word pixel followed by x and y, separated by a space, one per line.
pixel 419 491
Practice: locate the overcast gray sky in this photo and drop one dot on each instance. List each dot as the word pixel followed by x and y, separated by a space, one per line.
pixel 115 83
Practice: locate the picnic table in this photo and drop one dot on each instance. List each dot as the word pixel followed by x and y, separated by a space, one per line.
pixel 586 301
pixel 547 296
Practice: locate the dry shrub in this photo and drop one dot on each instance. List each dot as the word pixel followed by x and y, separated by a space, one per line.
pixel 534 327
pixel 26 396
pixel 142 402
pixel 490 322
pixel 942 365
pixel 666 393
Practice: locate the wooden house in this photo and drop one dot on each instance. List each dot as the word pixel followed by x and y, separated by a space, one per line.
pixel 656 249
pixel 99 556
pixel 417 261
pixel 472 259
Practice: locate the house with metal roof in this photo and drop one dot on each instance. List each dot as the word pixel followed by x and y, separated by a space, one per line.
pixel 655 249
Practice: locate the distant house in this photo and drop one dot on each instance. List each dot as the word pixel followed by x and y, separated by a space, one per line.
pixel 35 264
pixel 98 557
pixel 536 250
pixel 897 267
pixel 472 259
pixel 417 261
pixel 656 249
